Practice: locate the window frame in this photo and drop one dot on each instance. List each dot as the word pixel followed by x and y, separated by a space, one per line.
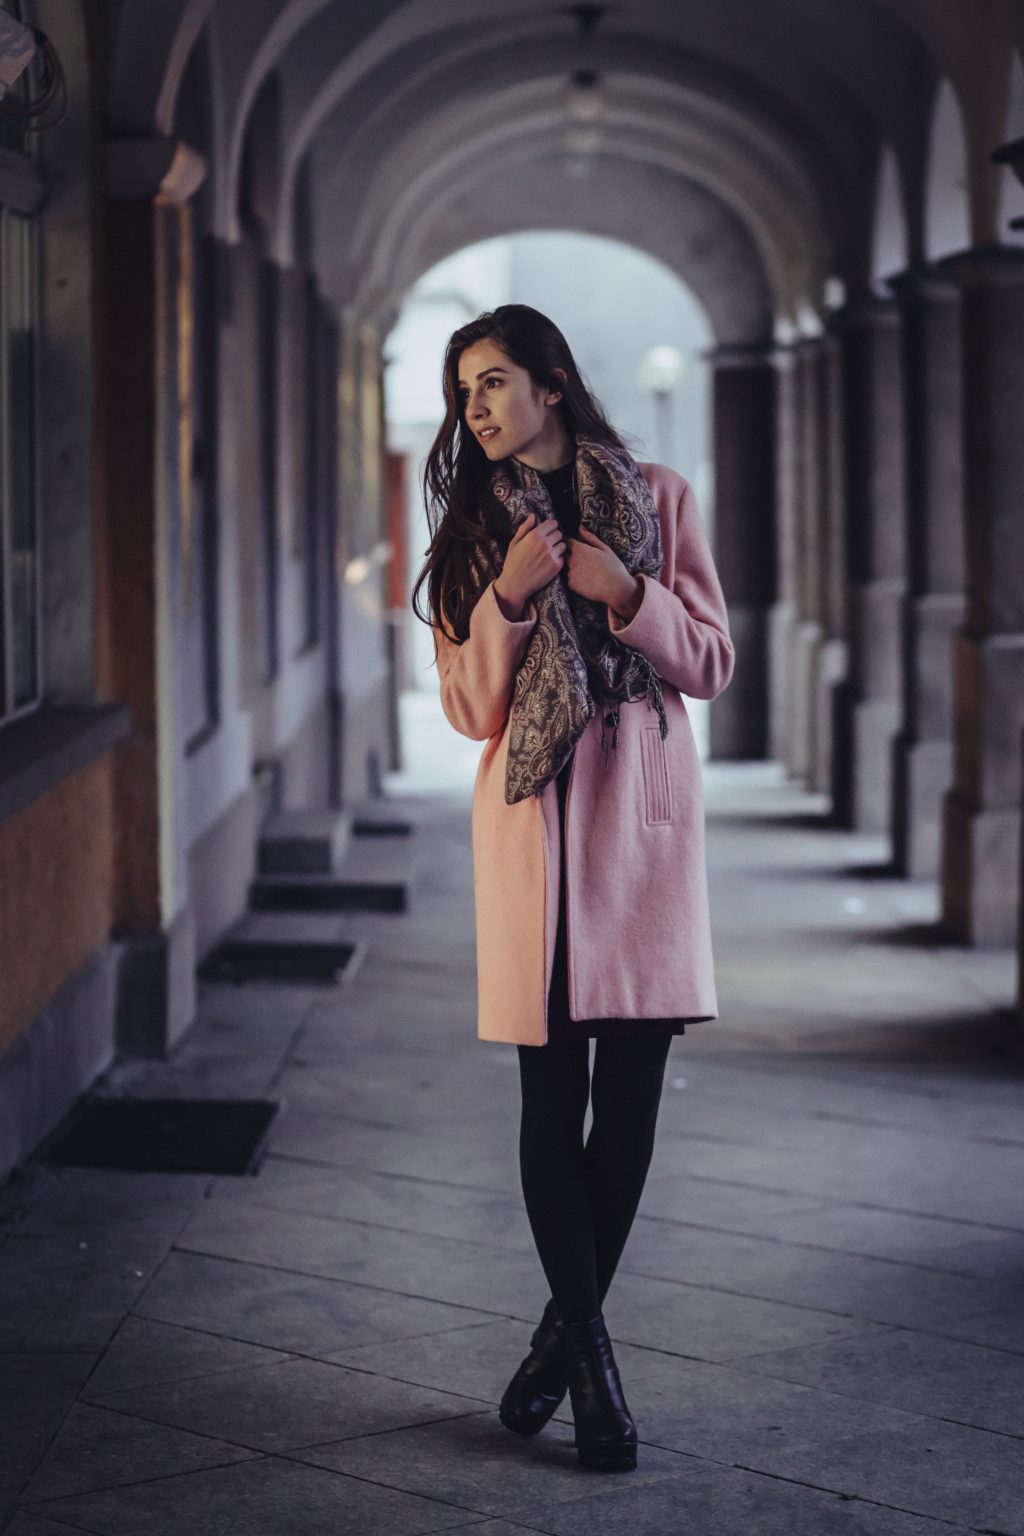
pixel 21 195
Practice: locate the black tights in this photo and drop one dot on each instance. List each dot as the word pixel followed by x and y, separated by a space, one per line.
pixel 581 1199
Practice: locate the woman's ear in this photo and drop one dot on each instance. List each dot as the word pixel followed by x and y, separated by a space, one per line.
pixel 559 373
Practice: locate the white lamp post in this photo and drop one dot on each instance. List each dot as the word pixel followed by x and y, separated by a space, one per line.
pixel 660 372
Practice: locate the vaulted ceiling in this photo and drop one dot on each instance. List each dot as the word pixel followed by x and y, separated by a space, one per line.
pixel 739 141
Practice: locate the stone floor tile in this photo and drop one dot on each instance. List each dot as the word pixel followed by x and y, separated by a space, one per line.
pixel 712 1325
pixel 728 1415
pixel 92 1204
pixel 36 1393
pixel 460 1273
pixel 926 1467
pixel 710 1203
pixel 143 1353
pixel 941 1378
pixel 306 1314
pixel 269 1497
pixel 477 1463
pixel 497 1219
pixel 1003 1329
pixel 25 1524
pixel 284 1407
pixel 880 1291
pixel 58 1295
pixel 100 1449
pixel 726 1502
pixel 926 1241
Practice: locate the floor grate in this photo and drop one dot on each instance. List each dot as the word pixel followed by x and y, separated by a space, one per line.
pixel 162 1135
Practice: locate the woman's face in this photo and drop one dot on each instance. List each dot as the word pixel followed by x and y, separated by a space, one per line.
pixel 504 409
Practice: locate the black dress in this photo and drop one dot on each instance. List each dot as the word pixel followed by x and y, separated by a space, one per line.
pixel 559 483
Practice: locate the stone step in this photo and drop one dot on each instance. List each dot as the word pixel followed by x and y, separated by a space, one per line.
pixel 378 875
pixel 304 842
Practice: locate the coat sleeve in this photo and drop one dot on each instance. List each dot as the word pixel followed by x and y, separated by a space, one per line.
pixel 477 677
pixel 682 627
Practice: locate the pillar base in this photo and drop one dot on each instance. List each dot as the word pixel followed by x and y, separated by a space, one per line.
pixel 833 667
pixel 980 872
pixel 782 621
pixel 874 725
pixel 807 640
pixel 922 774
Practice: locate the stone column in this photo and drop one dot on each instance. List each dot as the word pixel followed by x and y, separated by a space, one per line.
pixel 868 710
pixel 143 474
pixel 783 617
pixel 745 539
pixel 981 827
pixel 833 649
pixel 929 302
pixel 807 633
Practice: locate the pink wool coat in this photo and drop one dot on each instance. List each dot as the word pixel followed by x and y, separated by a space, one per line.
pixel 638 933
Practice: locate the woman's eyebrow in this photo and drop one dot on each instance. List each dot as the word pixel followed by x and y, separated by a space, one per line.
pixel 495 369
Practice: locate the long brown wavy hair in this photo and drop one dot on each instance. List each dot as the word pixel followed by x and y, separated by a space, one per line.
pixel 462 512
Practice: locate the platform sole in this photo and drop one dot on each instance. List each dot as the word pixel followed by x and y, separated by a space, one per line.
pixel 608 1458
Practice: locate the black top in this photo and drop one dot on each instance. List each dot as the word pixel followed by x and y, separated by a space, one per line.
pixel 559 483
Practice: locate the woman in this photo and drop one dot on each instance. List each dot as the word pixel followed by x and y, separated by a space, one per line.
pixel 573 598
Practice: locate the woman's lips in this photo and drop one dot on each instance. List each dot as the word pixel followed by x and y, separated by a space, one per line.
pixel 488 433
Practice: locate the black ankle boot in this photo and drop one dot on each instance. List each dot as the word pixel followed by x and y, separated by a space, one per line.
pixel 539 1384
pixel 605 1432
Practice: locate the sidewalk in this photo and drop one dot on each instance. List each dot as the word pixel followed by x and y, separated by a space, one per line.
pixel 819 1316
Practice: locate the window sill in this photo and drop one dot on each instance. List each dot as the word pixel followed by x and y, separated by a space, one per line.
pixel 50 745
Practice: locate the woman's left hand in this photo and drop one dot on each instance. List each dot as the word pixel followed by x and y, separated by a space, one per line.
pixel 595 571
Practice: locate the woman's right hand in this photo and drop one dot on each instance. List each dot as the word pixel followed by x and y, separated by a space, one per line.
pixel 534 557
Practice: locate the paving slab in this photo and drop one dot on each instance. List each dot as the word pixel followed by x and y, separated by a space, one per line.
pixel 925 1466
pixel 713 1325
pixel 96 1448
pixel 410 1264
pixel 727 1415
pixel 143 1354
pixel 942 1378
pixel 283 1310
pixel 724 1502
pixel 876 1290
pixel 479 1464
pixel 269 1497
pixel 60 1295
pixel 285 1407
pixel 37 1391
pixel 416 1205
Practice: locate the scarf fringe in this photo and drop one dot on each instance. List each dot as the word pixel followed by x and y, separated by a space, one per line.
pixel 655 701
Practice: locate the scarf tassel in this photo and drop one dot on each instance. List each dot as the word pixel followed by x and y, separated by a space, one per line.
pixel 610 720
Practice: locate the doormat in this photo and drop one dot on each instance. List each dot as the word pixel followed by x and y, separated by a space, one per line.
pixel 241 960
pixel 162 1135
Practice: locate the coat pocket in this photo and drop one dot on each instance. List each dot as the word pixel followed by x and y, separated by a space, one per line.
pixel 657 791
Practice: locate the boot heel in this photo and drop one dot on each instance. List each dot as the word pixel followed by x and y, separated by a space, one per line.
pixel 606 1437
pixel 604 1458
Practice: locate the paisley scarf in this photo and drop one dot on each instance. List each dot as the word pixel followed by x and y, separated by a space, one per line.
pixel 574 664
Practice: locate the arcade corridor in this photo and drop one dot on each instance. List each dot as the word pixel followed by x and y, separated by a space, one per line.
pixel 226 228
